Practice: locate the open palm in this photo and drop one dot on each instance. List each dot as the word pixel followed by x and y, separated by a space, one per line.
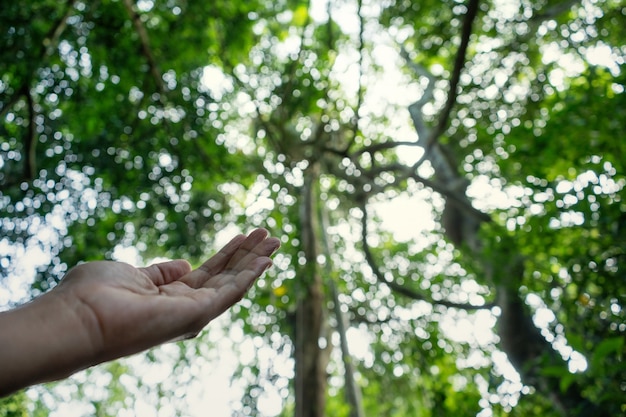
pixel 125 309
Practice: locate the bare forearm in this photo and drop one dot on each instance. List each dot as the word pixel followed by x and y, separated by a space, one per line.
pixel 40 341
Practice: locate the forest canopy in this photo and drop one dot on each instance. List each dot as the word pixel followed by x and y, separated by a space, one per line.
pixel 446 177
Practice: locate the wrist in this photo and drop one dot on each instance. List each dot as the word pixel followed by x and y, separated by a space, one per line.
pixel 42 341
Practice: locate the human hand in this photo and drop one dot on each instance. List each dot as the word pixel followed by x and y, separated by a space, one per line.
pixel 105 310
pixel 124 310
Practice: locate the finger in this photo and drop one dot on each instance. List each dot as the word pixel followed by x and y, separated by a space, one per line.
pixel 213 265
pixel 210 302
pixel 257 244
pixel 252 240
pixel 245 279
pixel 230 288
pixel 234 257
pixel 166 272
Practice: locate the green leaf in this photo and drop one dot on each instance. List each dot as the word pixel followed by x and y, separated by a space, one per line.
pixel 605 349
pixel 300 15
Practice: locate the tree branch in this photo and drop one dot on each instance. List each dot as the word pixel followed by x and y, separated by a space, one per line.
pixel 360 91
pixel 404 173
pixel 30 141
pixel 362 318
pixel 415 109
pixel 48 44
pixel 145 45
pixel 554 10
pixel 430 138
pixel 459 63
pixel 51 41
pixel 378 147
pixel 400 289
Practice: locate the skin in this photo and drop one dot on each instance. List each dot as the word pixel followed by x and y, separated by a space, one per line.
pixel 105 310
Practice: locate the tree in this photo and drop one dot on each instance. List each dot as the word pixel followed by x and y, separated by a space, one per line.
pixel 503 117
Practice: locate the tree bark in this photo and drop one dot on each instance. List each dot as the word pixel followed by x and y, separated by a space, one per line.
pixel 310 358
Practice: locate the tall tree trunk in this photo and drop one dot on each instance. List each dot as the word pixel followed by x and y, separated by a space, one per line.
pixel 351 388
pixel 520 339
pixel 527 350
pixel 310 358
pixel 353 392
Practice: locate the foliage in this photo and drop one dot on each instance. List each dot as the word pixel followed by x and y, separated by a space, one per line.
pixel 14 406
pixel 156 126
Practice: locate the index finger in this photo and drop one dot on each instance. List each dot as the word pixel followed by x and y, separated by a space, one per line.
pixel 236 256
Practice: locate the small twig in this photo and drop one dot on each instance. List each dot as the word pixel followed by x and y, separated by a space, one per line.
pixel 30 141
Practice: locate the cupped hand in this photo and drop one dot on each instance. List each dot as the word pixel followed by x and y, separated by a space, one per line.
pixel 124 310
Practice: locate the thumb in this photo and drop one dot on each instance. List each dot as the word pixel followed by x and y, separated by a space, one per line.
pixel 166 272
